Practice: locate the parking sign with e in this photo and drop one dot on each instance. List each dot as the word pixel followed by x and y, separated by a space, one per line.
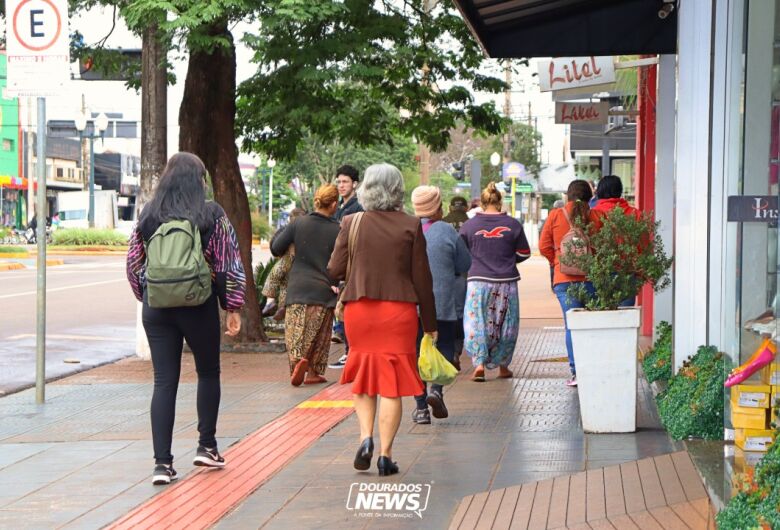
pixel 37 46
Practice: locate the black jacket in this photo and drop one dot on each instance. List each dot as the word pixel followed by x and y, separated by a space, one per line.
pixel 314 237
pixel 350 207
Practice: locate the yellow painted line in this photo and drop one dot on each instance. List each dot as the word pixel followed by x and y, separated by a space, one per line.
pixel 326 404
pixel 11 266
pixel 51 262
pixel 14 255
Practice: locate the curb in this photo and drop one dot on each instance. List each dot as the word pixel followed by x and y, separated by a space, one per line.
pixel 11 266
pixel 14 255
pixel 86 252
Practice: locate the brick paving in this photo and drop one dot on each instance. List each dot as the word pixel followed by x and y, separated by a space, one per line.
pixel 83 460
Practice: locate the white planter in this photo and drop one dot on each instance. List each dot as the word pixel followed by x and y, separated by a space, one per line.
pixel 605 355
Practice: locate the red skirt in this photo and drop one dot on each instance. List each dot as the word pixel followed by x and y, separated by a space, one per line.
pixel 382 358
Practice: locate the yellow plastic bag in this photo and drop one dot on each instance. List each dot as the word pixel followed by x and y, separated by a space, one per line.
pixel 433 366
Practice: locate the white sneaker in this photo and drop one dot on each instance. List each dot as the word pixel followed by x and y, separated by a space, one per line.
pixel 572 381
pixel 338 365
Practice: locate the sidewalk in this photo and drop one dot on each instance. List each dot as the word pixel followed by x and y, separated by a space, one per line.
pixel 84 459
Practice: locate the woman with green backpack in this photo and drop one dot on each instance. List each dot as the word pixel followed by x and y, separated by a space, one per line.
pixel 182 261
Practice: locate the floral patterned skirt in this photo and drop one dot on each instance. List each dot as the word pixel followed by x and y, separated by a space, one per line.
pixel 307 330
pixel 491 321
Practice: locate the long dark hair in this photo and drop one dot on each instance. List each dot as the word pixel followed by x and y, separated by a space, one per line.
pixel 180 194
pixel 580 193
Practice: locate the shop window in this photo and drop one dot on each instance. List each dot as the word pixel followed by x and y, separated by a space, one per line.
pixel 753 160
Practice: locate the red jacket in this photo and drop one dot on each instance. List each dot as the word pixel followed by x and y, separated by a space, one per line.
pixel 604 206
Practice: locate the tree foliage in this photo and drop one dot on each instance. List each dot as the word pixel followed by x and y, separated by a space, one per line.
pixel 361 71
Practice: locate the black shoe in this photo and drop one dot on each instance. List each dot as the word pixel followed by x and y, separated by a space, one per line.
pixel 208 458
pixel 436 401
pixel 337 338
pixel 338 365
pixel 163 474
pixel 421 416
pixel 270 308
pixel 364 454
pixel 386 466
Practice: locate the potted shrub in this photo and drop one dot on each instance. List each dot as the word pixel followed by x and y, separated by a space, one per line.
pixel 618 258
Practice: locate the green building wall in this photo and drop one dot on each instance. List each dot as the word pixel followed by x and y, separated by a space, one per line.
pixel 9 127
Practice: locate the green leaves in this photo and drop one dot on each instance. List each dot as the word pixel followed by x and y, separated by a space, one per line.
pixel 626 253
pixel 693 403
pixel 360 71
pixel 657 363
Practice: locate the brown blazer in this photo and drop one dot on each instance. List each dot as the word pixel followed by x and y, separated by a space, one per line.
pixel 390 262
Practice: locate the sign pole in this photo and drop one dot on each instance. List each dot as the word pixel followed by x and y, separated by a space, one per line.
pixel 40 166
pixel 514 192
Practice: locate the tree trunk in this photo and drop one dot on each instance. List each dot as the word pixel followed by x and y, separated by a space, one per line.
pixel 154 135
pixel 207 128
pixel 154 113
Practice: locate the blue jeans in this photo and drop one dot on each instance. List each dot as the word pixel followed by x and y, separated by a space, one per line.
pixel 566 304
pixel 338 327
pixel 446 345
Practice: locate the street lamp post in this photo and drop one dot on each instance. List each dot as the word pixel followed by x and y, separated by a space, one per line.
pixel 100 125
pixel 271 165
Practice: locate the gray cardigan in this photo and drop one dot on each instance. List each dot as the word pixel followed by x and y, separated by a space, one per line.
pixel 448 257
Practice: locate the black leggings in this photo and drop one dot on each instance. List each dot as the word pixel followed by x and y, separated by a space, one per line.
pixel 166 329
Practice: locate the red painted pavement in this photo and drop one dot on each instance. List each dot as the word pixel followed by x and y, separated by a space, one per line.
pixel 250 463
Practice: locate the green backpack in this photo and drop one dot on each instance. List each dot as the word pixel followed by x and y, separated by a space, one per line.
pixel 177 274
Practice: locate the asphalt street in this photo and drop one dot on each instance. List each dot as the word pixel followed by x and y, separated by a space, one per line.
pixel 90 318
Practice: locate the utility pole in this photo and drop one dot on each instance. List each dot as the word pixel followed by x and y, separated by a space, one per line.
pixel 30 151
pixel 84 146
pixel 424 152
pixel 508 108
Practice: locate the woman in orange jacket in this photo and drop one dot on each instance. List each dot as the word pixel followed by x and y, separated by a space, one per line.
pixel 555 229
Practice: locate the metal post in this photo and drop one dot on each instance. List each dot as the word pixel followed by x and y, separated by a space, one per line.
pixel 29 172
pixel 40 350
pixel 514 192
pixel 271 198
pixel 476 178
pixel 92 180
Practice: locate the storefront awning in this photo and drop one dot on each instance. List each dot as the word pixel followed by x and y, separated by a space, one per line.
pixel 564 28
pixel 14 183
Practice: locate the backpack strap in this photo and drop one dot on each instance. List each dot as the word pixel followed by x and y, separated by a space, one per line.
pixel 566 215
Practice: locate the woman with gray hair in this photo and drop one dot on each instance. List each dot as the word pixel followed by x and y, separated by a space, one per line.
pixel 386 260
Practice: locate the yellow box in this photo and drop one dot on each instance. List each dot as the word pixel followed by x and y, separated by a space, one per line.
pixel 773 404
pixel 753 439
pixel 751 395
pixel 770 374
pixel 746 460
pixel 748 417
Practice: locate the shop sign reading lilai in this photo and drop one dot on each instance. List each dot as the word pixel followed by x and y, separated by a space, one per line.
pixel 572 72
pixel 753 209
pixel 572 112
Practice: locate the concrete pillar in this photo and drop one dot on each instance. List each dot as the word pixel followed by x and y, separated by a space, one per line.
pixel 664 177
pixel 692 179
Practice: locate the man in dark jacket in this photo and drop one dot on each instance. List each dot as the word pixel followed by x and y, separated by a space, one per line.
pixel 347 183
